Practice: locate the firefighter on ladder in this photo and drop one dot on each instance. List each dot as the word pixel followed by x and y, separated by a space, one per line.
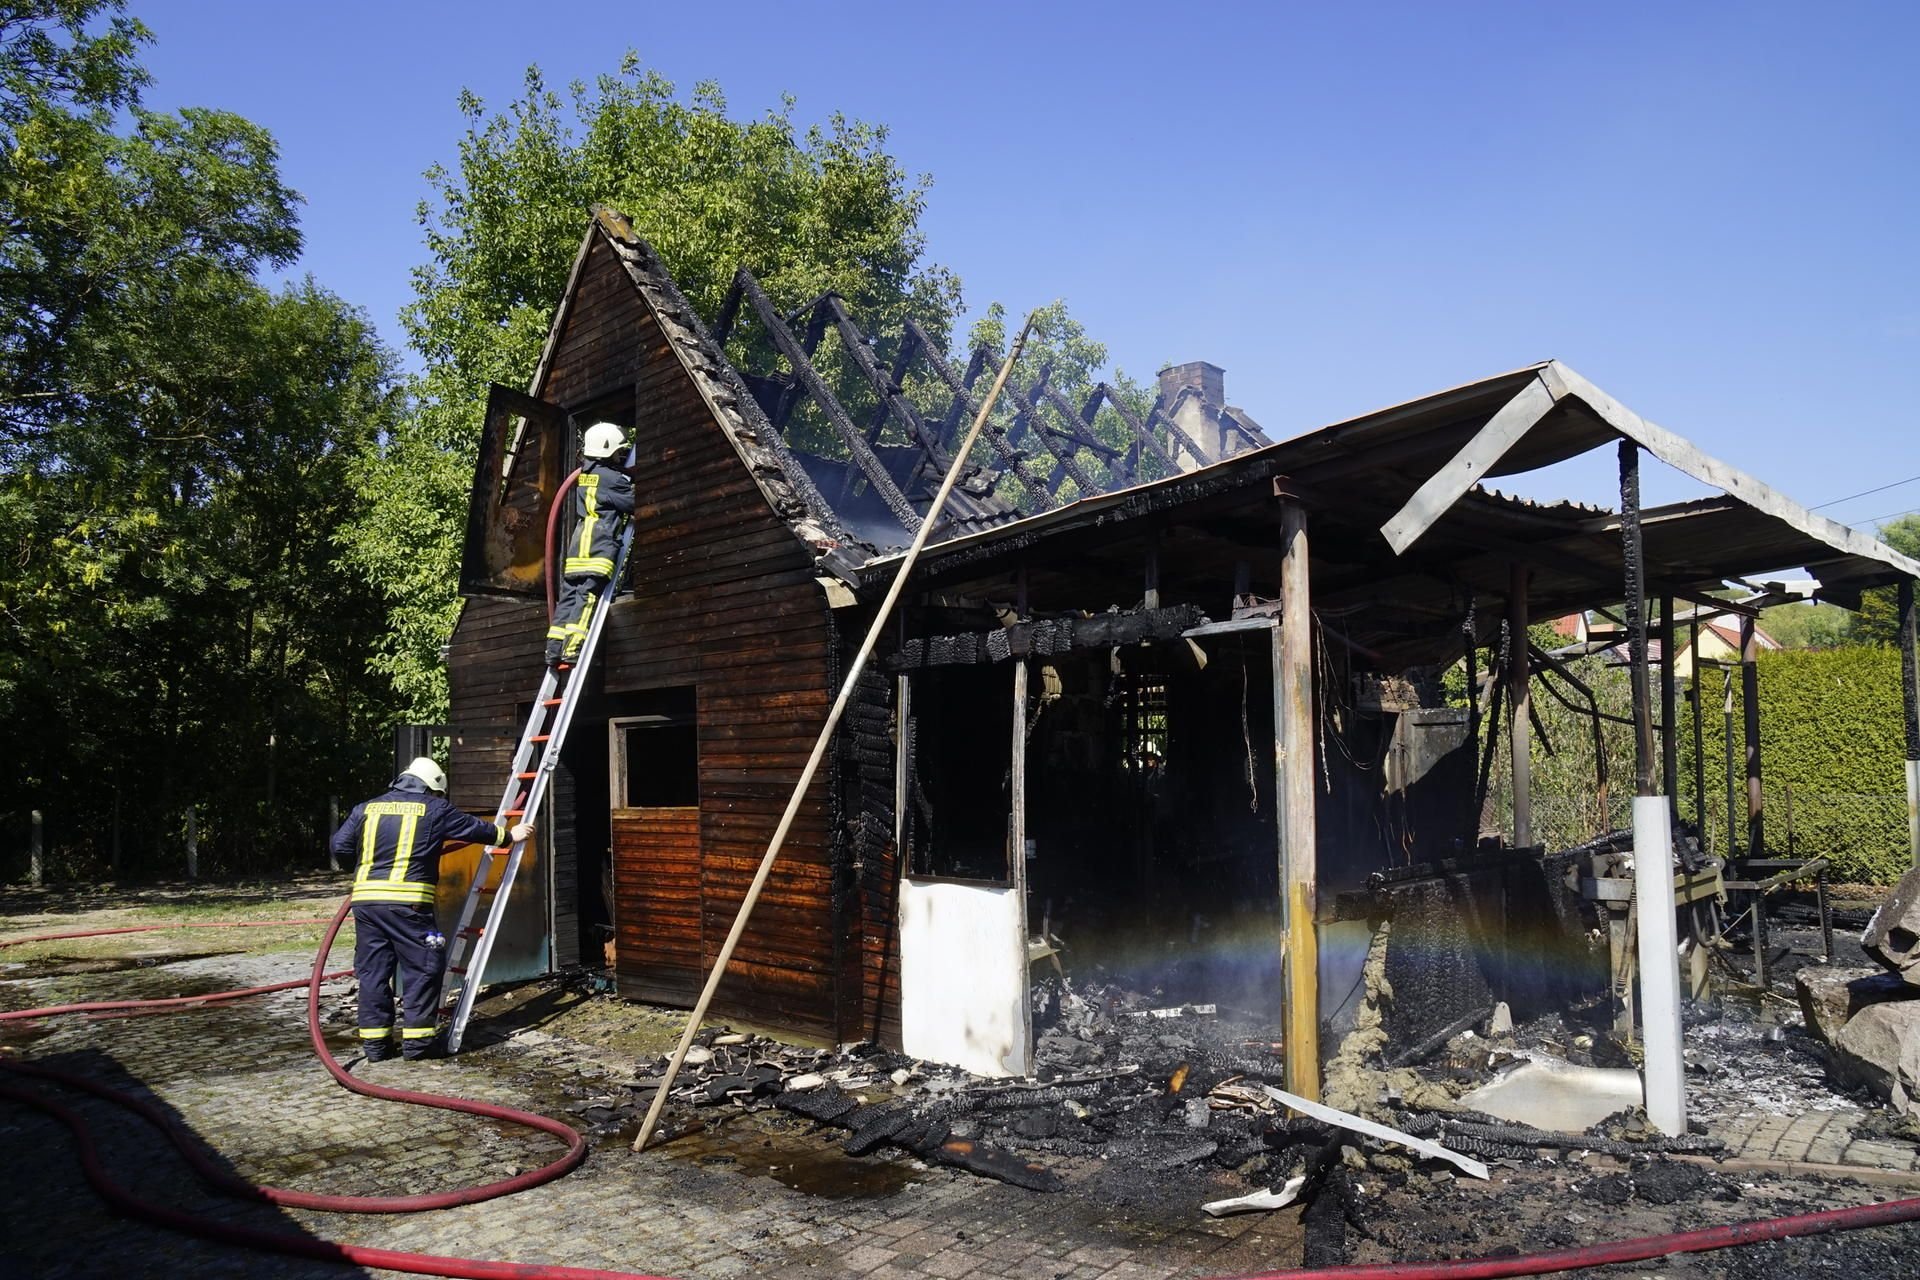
pixel 602 499
pixel 398 836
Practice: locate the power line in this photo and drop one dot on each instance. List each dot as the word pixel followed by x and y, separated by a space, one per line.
pixel 1892 515
pixel 1865 493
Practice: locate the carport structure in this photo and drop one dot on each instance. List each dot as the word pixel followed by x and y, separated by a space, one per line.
pixel 1413 565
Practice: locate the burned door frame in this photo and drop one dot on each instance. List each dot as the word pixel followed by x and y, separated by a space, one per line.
pixel 938 1022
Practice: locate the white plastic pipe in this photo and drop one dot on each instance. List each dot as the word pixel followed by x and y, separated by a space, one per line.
pixel 1659 965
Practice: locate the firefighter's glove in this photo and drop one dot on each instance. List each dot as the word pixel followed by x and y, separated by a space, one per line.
pixel 522 832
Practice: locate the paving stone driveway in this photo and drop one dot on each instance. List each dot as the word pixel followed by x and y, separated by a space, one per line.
pixel 243 1078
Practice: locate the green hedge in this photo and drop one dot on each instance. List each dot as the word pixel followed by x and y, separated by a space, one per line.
pixel 1830 732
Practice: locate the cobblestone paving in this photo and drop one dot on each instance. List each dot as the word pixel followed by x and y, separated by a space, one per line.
pixel 242 1077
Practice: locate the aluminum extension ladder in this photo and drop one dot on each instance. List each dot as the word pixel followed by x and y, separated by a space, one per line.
pixel 470 945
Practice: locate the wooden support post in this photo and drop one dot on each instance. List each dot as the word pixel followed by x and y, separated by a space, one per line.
pixel 1669 713
pixel 333 825
pixel 902 763
pixel 1664 1078
pixel 1699 751
pixel 1519 709
pixel 1293 710
pixel 1750 698
pixel 1151 594
pixel 1017 852
pixel 1910 705
pixel 1634 562
pixel 36 852
pixel 193 842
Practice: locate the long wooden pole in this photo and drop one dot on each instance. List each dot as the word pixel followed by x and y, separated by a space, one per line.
pixel 826 736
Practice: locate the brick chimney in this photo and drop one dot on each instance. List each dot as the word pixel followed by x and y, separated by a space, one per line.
pixel 1197 412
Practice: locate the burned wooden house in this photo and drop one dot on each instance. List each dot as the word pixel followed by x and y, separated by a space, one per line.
pixel 1162 692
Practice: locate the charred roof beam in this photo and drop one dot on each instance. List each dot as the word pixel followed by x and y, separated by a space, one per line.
pixel 996 438
pixel 892 403
pixel 1028 399
pixel 798 358
pixel 1141 432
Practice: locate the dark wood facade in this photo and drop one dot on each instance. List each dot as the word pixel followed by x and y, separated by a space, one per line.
pixel 722 604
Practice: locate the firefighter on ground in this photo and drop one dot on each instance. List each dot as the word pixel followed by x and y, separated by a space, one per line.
pixel 397 837
pixel 602 500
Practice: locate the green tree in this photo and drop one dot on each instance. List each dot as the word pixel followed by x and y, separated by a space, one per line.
pixel 807 210
pixel 175 444
pixel 1808 624
pixel 1879 618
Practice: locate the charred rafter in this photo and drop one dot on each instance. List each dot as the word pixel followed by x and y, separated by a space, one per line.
pixel 799 358
pixel 1139 428
pixel 996 438
pixel 1028 416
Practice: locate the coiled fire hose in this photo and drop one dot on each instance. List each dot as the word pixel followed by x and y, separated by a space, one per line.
pixel 1641 1249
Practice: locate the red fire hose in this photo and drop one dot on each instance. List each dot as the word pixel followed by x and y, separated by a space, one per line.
pixel 553 526
pixel 1636 1250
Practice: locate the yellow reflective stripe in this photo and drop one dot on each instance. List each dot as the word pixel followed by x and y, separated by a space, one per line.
pixel 501 836
pixel 590 498
pixel 375 1033
pixel 557 632
pixel 419 1033
pixel 412 891
pixel 601 565
pixel 403 847
pixel 369 839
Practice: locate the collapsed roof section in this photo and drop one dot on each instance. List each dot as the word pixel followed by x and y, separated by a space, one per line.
pixel 1408 543
pixel 1410 551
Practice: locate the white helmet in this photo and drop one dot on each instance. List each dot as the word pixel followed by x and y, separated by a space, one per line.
pixel 428 772
pixel 604 439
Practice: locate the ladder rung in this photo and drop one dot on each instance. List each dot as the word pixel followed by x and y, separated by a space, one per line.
pixel 512 813
pixel 526 775
pixel 456 968
pixel 540 737
pixel 473 931
pixel 552 702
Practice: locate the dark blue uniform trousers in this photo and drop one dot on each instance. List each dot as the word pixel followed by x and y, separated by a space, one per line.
pixel 389 936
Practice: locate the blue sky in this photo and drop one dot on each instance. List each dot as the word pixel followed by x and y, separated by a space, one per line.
pixel 1711 210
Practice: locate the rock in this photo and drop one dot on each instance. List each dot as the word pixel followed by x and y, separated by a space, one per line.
pixel 1501 1023
pixel 1880 1048
pixel 1830 995
pixel 1893 935
pixel 1197 1113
